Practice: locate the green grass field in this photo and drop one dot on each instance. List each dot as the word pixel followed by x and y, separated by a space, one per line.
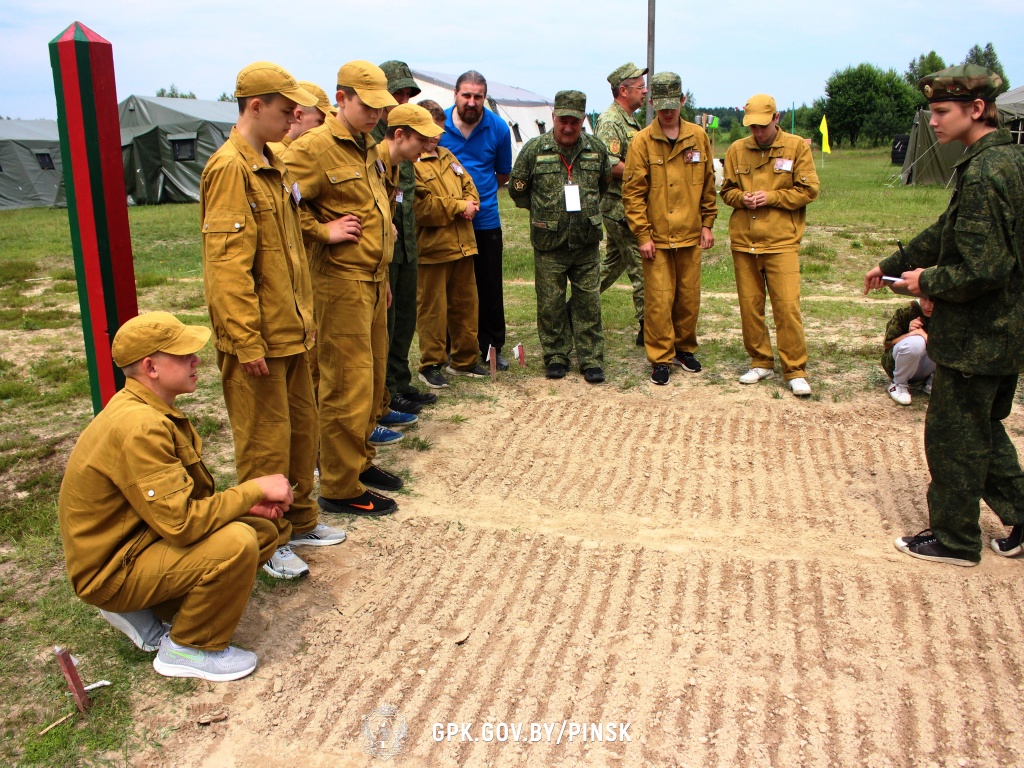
pixel 44 404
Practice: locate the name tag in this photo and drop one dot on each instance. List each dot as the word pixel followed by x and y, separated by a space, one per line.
pixel 784 164
pixel 380 166
pixel 692 156
pixel 399 196
pixel 457 168
pixel 296 195
pixel 572 197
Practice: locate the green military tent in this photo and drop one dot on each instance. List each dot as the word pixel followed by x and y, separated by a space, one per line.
pixel 928 162
pixel 31 174
pixel 165 144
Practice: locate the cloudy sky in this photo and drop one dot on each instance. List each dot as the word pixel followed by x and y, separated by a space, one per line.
pixel 724 50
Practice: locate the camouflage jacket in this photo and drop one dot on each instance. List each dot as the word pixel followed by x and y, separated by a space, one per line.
pixel 899 325
pixel 974 263
pixel 404 218
pixel 616 128
pixel 538 183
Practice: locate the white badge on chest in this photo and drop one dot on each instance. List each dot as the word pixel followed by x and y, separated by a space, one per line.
pixel 572 197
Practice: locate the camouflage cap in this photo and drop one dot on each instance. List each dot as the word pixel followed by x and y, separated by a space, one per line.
pixel 399 76
pixel 571 104
pixel 625 72
pixel 965 82
pixel 760 109
pixel 322 102
pixel 666 90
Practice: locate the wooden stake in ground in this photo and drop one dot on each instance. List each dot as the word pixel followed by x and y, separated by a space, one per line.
pixel 492 358
pixel 67 666
pixel 90 145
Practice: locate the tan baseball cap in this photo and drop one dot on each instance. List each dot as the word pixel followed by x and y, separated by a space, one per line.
pixel 415 117
pixel 759 110
pixel 322 102
pixel 264 77
pixel 156 332
pixel 369 81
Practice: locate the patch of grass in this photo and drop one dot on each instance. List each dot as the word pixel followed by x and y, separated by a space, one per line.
pixel 207 426
pixel 416 443
pixel 17 271
pixel 457 418
pixel 149 280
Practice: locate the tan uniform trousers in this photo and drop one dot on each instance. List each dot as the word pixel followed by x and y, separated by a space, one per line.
pixel 274 423
pixel 671 302
pixel 203 588
pixel 352 336
pixel 446 301
pixel 779 273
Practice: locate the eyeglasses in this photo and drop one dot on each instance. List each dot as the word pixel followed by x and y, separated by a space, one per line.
pixel 638 87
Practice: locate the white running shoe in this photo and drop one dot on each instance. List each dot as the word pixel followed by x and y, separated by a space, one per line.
pixel 755 375
pixel 142 627
pixel 285 564
pixel 321 536
pixel 800 387
pixel 173 660
pixel 900 393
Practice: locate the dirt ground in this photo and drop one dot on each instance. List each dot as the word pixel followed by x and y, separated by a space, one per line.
pixel 710 564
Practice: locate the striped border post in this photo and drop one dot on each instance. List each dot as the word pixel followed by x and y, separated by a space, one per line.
pixel 90 145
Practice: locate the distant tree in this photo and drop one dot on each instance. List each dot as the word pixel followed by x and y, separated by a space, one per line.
pixel 174 93
pixel 987 57
pixel 225 96
pixel 923 65
pixel 864 100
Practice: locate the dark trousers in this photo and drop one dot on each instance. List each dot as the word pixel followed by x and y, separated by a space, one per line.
pixel 970 457
pixel 401 326
pixel 489 289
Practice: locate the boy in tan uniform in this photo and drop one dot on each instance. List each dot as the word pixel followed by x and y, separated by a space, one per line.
pixel 342 177
pixel 146 537
pixel 446 202
pixel 261 304
pixel 668 191
pixel 306 118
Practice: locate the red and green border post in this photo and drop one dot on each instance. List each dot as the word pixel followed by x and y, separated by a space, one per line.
pixel 90 145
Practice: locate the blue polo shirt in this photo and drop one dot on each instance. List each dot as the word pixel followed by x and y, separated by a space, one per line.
pixel 487 151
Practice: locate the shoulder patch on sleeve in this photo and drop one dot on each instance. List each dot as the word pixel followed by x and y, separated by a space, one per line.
pixel 614 146
pixel 518 185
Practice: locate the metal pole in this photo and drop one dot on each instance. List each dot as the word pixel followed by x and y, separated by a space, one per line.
pixel 650 57
pixel 792 119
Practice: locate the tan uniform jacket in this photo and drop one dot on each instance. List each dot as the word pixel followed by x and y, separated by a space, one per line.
pixel 669 190
pixel 254 266
pixel 786 172
pixel 134 477
pixel 441 193
pixel 336 177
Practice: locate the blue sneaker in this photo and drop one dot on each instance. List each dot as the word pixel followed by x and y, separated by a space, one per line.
pixel 384 436
pixel 398 419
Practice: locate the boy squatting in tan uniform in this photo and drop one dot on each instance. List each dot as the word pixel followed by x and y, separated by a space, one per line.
pixel 769 188
pixel 668 192
pixel 146 537
pixel 261 304
pixel 446 202
pixel 341 175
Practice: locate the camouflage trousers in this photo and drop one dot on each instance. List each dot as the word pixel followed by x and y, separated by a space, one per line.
pixel 970 457
pixel 622 254
pixel 581 268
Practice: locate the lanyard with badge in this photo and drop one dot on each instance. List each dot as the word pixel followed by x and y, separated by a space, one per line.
pixel 572 191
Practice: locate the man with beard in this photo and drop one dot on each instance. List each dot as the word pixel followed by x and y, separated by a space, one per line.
pixel 483 145
pixel 616 127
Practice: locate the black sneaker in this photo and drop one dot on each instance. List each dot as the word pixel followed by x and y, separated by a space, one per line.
pixel 556 371
pixel 420 398
pixel 502 364
pixel 368 503
pixel 926 546
pixel 687 361
pixel 1011 545
pixel 476 372
pixel 375 477
pixel 593 376
pixel 433 377
pixel 640 335
pixel 403 405
pixel 659 374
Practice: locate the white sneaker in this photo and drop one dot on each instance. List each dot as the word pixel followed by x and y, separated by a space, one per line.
pixel 800 387
pixel 755 375
pixel 142 627
pixel 173 660
pixel 285 564
pixel 321 536
pixel 927 388
pixel 899 393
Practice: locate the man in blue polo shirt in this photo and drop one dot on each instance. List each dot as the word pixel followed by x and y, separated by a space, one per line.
pixel 482 143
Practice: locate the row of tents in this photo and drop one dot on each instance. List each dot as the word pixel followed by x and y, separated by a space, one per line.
pixel 165 143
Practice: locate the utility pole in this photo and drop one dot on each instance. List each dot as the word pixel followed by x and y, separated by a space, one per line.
pixel 650 58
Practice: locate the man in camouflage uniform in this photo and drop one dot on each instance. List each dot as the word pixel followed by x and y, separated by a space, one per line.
pixel 560 177
pixel 616 127
pixel 970 263
pixel 404 397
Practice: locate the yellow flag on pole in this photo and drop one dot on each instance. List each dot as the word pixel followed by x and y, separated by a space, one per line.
pixel 824 136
